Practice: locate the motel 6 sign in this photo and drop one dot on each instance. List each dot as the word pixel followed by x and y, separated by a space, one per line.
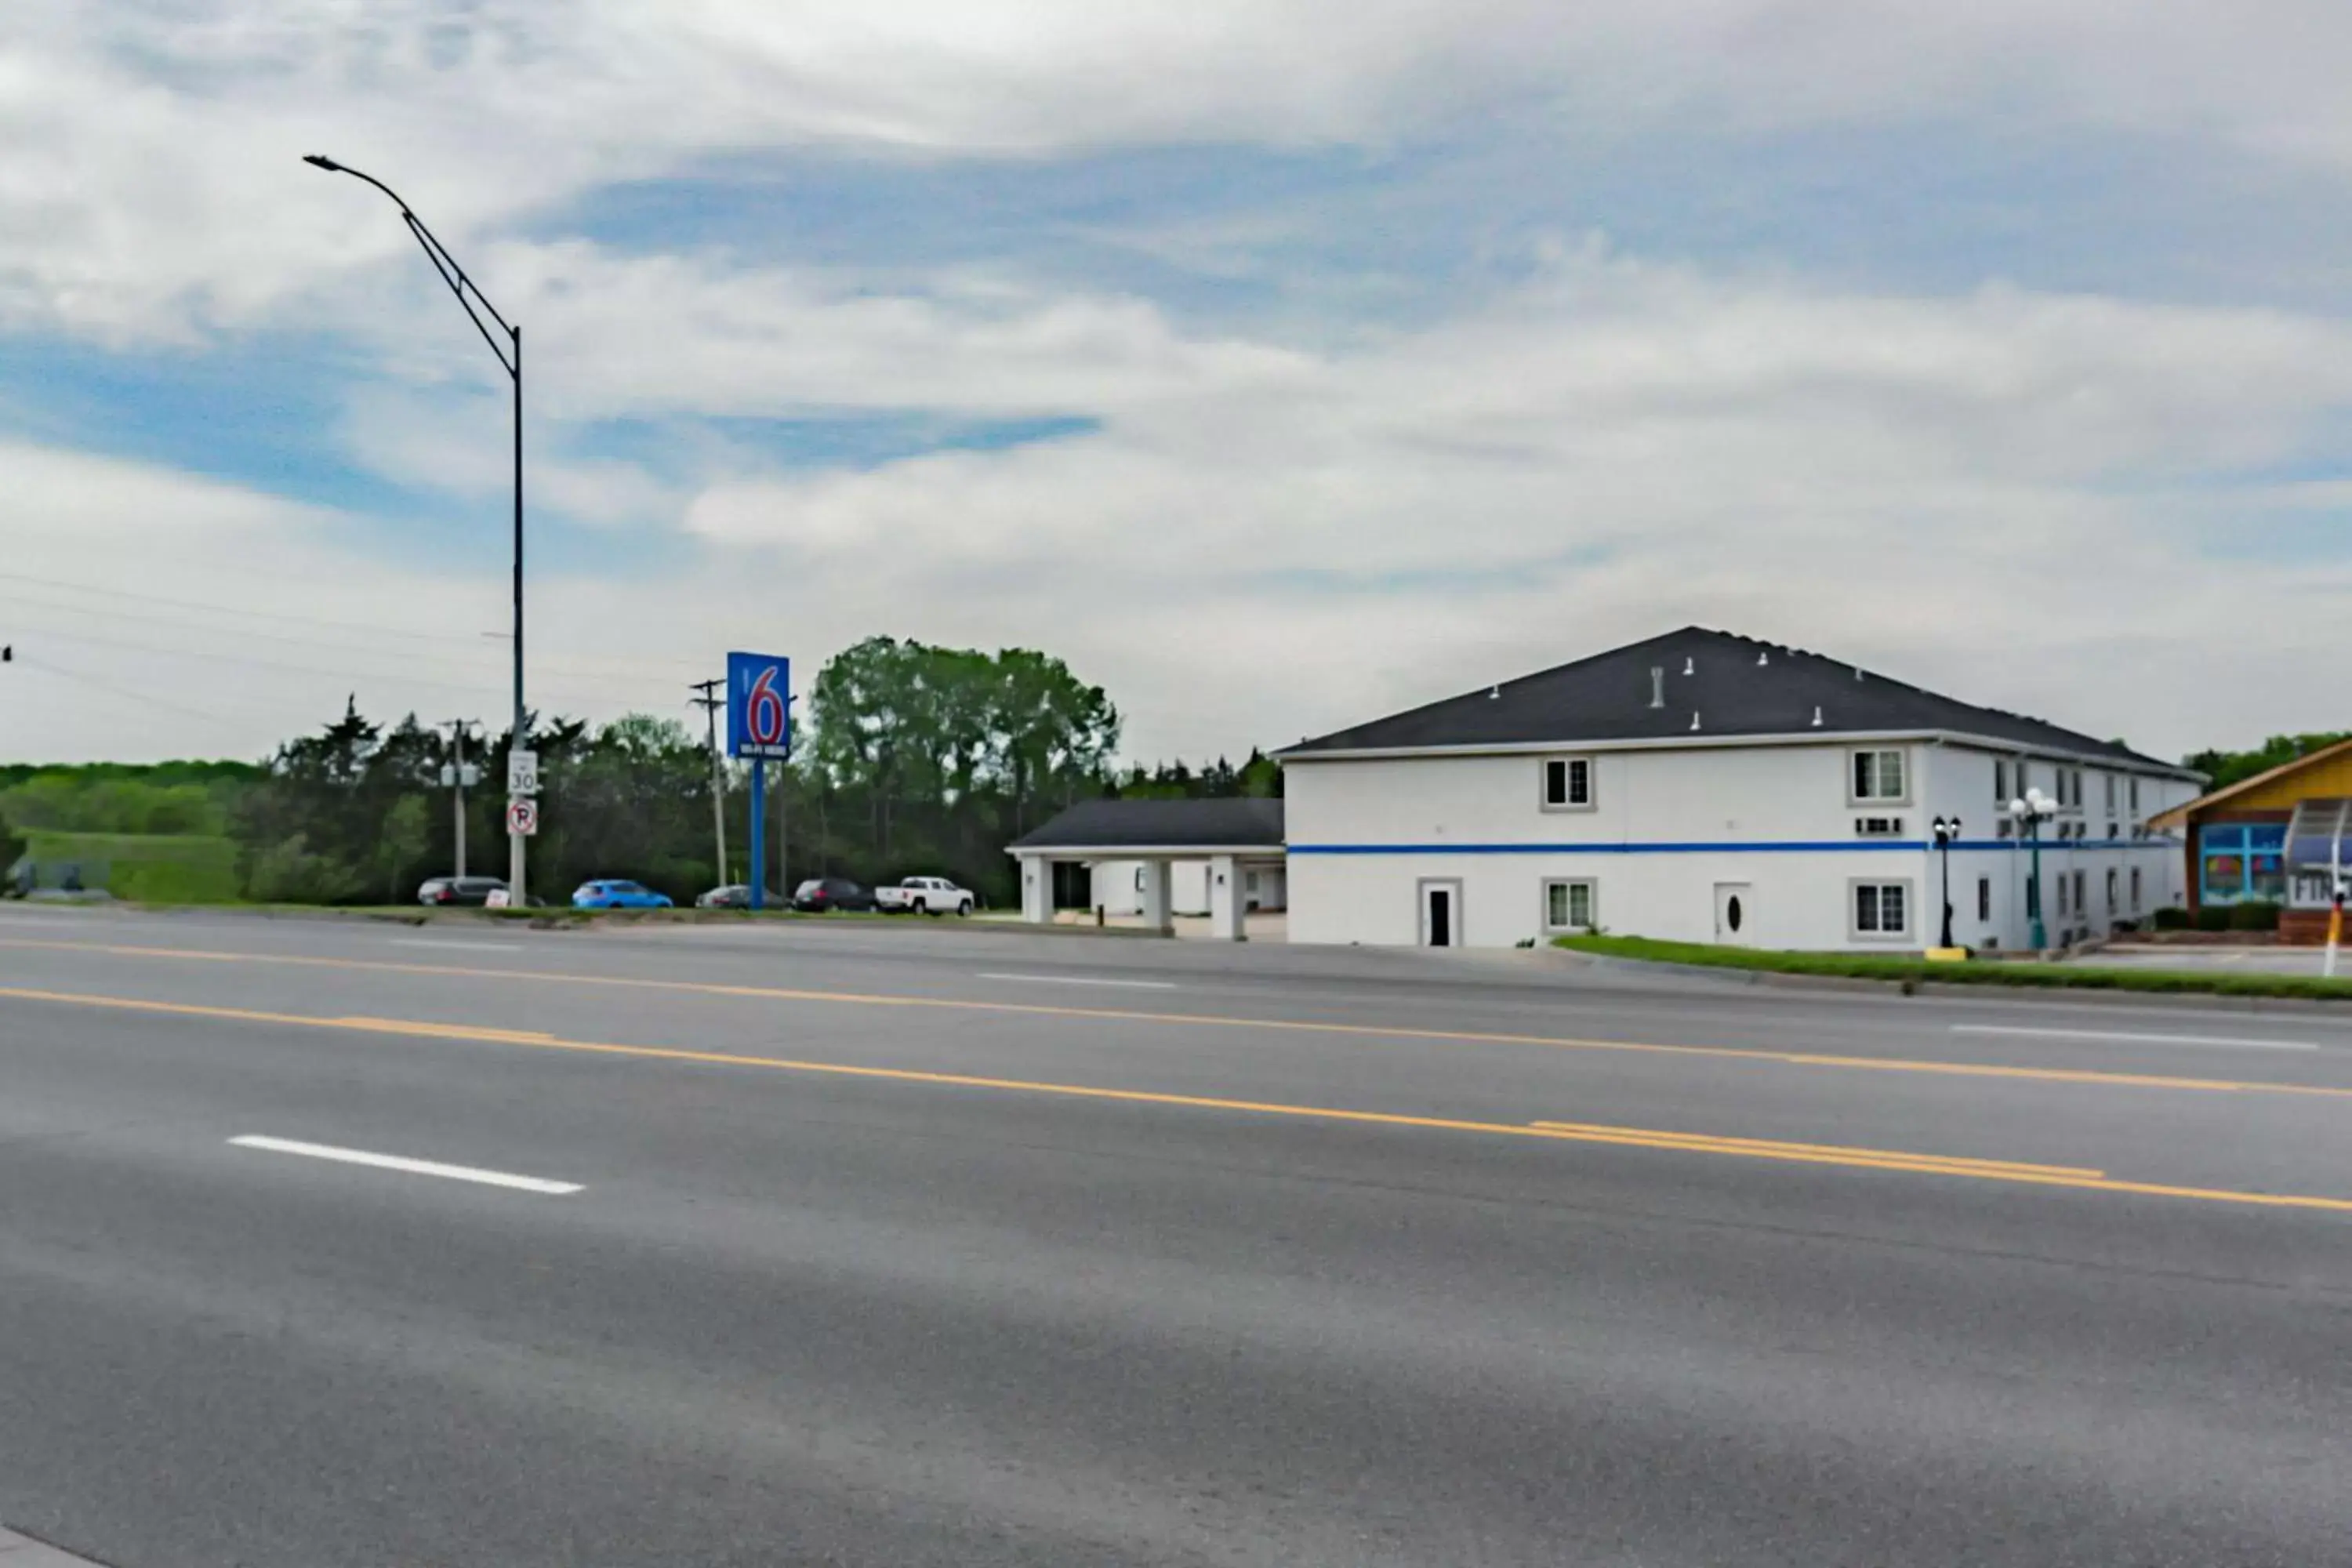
pixel 759 706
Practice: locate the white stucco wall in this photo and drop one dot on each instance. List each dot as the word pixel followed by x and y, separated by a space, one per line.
pixel 1115 889
pixel 1668 828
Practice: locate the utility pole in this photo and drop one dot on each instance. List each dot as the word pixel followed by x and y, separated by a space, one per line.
pixel 457 775
pixel 710 703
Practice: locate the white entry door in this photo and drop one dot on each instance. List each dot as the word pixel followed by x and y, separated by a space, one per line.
pixel 1441 913
pixel 1735 914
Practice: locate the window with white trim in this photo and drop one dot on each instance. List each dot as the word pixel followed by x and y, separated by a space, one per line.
pixel 2081 904
pixel 2000 795
pixel 2109 780
pixel 1568 905
pixel 2134 795
pixel 1568 783
pixel 2112 904
pixel 2062 893
pixel 1984 897
pixel 2135 889
pixel 1880 775
pixel 1882 909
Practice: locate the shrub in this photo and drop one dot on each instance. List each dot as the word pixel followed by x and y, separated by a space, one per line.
pixel 2213 917
pixel 2253 915
pixel 287 872
pixel 2173 918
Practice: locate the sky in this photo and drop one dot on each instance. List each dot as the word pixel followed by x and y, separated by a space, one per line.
pixel 1277 364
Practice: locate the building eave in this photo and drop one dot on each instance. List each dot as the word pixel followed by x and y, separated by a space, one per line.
pixel 2148 766
pixel 1139 852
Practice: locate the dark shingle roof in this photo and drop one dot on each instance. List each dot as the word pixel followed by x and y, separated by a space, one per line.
pixel 1226 822
pixel 1736 685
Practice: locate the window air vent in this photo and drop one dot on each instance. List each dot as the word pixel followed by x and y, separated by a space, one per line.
pixel 1878 827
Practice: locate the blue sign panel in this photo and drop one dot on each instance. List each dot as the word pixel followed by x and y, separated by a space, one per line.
pixel 759 706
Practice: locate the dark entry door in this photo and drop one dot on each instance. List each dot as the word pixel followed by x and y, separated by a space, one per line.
pixel 1440 915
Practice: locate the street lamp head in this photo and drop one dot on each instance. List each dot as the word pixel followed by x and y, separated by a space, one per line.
pixel 2017 807
pixel 320 161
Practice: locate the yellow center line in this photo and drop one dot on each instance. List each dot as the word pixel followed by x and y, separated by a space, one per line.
pixel 1842 1151
pixel 2093 1077
pixel 1633 1137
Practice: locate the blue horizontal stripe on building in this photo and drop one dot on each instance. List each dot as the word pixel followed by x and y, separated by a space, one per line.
pixel 1734 847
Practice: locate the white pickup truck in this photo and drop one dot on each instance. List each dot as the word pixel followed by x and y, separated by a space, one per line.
pixel 923 895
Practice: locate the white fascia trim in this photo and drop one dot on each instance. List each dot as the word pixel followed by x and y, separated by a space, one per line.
pixel 1143 851
pixel 1714 742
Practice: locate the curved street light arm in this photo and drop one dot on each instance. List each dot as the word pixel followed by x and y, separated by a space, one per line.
pixel 467 290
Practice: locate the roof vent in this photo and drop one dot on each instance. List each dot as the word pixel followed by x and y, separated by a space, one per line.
pixel 1763 657
pixel 1694 720
pixel 1857 673
pixel 1657 686
pixel 1690 665
pixel 1494 693
pixel 1816 718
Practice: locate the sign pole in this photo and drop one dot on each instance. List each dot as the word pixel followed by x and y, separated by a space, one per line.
pixel 759 832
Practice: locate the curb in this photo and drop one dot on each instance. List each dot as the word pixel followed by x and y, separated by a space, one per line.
pixel 2069 995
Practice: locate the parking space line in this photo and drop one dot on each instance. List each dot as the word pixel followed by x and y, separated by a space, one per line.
pixel 2129 1037
pixel 408 1166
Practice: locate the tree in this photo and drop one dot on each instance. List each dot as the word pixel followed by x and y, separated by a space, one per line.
pixel 2226 768
pixel 400 843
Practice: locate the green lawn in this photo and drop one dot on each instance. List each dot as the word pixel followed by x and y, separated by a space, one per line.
pixel 2001 972
pixel 162 867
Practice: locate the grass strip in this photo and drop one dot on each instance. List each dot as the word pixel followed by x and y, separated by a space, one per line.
pixel 2019 973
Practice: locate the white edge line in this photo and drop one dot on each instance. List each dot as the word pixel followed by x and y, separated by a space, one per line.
pixel 1080 980
pixel 457 946
pixel 2134 1038
pixel 411 1167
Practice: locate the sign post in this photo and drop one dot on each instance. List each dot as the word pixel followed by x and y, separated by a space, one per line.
pixel 759 727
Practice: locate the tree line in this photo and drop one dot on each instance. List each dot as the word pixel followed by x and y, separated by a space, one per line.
pixel 909 758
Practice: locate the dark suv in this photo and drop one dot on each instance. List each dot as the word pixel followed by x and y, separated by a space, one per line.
pixel 455 891
pixel 819 894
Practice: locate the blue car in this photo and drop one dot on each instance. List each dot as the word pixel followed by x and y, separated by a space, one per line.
pixel 612 894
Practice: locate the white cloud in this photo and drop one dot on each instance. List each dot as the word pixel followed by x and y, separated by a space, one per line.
pixel 152 185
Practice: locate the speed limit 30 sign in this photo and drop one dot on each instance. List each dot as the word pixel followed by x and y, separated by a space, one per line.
pixel 522 818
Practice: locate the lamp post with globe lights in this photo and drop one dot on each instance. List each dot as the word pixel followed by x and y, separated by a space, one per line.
pixel 2030 811
pixel 1947 832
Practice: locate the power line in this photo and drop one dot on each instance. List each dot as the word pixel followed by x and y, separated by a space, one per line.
pixel 241 614
pixel 180 708
pixel 571 682
pixel 560 668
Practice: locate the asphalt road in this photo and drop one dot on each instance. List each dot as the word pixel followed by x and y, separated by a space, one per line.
pixel 921 1244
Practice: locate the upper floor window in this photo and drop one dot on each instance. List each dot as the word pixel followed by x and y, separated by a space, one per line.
pixel 2000 795
pixel 2134 795
pixel 1567 783
pixel 2109 780
pixel 1879 775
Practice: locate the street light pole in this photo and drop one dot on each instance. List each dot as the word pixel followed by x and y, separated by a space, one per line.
pixel 2030 811
pixel 510 358
pixel 1946 830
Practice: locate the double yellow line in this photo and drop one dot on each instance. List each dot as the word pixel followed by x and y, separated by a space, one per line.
pixel 1945 1165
